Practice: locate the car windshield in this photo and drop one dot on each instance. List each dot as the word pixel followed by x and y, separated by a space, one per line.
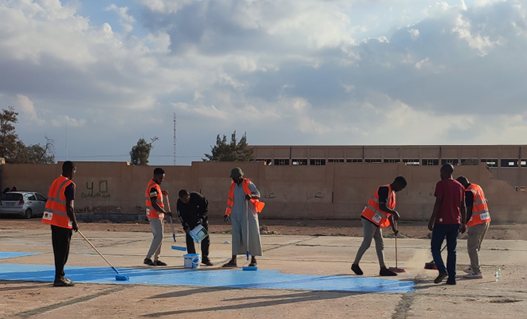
pixel 12 196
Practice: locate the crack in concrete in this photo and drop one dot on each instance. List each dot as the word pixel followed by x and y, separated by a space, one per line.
pixel 401 311
pixel 291 243
pixel 41 310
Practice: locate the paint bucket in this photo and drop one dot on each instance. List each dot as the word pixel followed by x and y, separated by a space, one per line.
pixel 198 233
pixel 192 261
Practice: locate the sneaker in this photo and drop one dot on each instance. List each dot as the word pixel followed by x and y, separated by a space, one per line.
pixel 230 264
pixel 386 272
pixel 63 282
pixel 451 282
pixel 440 278
pixel 207 262
pixel 468 270
pixel 159 263
pixel 149 262
pixel 356 269
pixel 473 275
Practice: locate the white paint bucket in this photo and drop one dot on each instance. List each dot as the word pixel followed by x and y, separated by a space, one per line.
pixel 192 261
pixel 198 233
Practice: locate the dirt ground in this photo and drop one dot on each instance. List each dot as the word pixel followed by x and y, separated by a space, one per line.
pixel 352 228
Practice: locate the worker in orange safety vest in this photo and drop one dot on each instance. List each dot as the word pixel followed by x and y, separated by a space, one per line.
pixel 379 212
pixel 155 211
pixel 243 206
pixel 478 224
pixel 60 214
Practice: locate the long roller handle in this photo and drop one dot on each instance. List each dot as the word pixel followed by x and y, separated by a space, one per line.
pixel 89 242
pixel 170 219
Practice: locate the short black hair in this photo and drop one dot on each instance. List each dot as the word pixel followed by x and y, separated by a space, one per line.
pixel 67 167
pixel 462 179
pixel 400 180
pixel 183 192
pixel 159 171
pixel 449 168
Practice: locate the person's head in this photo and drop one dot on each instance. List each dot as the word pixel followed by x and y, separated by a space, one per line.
pixel 68 169
pixel 463 181
pixel 237 175
pixel 446 171
pixel 13 189
pixel 399 184
pixel 159 175
pixel 184 196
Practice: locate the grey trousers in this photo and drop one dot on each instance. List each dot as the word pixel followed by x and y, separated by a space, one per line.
pixel 157 231
pixel 371 231
pixel 476 234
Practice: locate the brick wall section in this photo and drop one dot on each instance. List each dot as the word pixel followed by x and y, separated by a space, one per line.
pixel 112 217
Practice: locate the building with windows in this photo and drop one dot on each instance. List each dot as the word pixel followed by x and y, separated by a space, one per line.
pixel 506 162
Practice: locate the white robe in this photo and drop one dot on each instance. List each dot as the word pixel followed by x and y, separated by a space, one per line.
pixel 239 223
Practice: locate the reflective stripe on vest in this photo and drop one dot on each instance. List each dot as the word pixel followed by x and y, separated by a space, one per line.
pixel 480 209
pixel 372 211
pixel 56 212
pixel 258 205
pixel 151 212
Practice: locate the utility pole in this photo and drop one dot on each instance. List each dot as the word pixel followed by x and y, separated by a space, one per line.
pixel 174 138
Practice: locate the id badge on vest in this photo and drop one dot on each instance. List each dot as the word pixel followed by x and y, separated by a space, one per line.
pixel 483 216
pixel 377 218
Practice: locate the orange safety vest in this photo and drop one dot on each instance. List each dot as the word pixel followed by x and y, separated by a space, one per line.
pixel 480 210
pixel 151 212
pixel 55 212
pixel 372 211
pixel 258 206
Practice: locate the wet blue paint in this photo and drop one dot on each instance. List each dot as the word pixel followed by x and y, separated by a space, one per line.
pixel 5 254
pixel 269 279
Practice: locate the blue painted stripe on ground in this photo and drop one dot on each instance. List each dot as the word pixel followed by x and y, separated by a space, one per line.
pixel 270 279
pixel 5 254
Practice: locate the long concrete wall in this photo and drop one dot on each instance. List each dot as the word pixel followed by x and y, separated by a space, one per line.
pixel 333 191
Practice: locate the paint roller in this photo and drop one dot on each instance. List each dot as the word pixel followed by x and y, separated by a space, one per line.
pixel 173 231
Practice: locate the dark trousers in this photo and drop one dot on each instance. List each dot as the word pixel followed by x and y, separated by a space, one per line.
pixel 205 243
pixel 438 236
pixel 60 238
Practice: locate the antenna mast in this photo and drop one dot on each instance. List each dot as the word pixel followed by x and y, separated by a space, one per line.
pixel 174 138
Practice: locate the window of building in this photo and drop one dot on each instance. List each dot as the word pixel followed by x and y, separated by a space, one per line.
pixel 522 188
pixel 266 161
pixel 453 161
pixel 317 161
pixel 430 162
pixel 301 161
pixel 373 160
pixel 509 163
pixel 523 163
pixel 411 162
pixel 336 160
pixel 469 161
pixel 354 160
pixel 281 162
pixel 490 162
pixel 392 160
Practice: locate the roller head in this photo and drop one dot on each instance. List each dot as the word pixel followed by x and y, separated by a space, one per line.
pixel 121 278
pixel 250 268
pixel 179 248
pixel 430 265
pixel 397 270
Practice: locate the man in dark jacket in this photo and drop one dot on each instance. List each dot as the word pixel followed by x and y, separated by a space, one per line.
pixel 192 209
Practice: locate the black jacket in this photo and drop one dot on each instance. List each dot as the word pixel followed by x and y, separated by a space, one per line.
pixel 193 213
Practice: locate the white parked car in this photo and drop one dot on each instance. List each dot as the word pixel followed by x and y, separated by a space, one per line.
pixel 25 204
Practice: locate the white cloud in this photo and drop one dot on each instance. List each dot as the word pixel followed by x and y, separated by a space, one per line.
pixel 287 72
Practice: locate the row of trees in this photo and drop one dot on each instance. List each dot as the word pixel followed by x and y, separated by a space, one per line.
pixel 223 151
pixel 14 150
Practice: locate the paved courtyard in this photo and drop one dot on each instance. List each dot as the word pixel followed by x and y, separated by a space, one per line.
pixel 298 277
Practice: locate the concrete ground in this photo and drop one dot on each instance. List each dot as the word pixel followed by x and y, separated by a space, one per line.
pixel 484 298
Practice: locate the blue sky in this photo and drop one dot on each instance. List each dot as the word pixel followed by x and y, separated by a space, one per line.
pixel 95 76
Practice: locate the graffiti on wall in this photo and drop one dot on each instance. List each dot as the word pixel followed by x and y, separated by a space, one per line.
pixel 101 193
